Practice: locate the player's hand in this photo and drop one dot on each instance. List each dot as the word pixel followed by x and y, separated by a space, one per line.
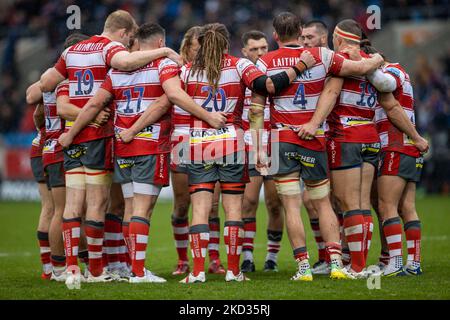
pixel 172 55
pixel 102 117
pixel 378 58
pixel 127 135
pixel 307 131
pixel 421 144
pixel 353 52
pixel 308 58
pixel 262 163
pixel 217 120
pixel 65 140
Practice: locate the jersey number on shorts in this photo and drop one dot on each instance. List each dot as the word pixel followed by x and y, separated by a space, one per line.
pixel 128 95
pixel 214 94
pixel 299 97
pixel 85 80
pixel 372 98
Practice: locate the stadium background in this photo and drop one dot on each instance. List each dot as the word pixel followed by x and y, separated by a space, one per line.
pixel 31 35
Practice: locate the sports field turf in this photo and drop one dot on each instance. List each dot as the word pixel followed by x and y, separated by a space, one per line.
pixel 20 266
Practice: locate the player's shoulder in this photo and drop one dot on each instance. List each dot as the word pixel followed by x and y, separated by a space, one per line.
pixel 395 69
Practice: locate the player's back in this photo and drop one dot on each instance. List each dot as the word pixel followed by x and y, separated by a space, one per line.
pixel 296 104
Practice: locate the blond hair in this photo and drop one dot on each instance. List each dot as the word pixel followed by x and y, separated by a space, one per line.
pixel 120 19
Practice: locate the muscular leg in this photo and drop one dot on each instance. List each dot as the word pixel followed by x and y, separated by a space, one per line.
pixel 113 242
pixel 249 208
pixel 215 266
pixel 43 234
pixel 384 253
pixel 368 172
pixel 275 223
pixel 313 215
pixel 412 227
pixel 390 190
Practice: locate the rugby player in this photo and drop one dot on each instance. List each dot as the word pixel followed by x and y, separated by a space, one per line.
pixel 180 225
pixel 88 161
pixel 290 109
pixel 255 45
pixel 353 144
pixel 141 167
pixel 399 171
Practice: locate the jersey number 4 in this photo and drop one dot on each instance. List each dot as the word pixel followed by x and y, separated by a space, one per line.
pixel 299 97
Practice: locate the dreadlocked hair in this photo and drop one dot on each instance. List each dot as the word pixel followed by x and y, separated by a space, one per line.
pixel 213 40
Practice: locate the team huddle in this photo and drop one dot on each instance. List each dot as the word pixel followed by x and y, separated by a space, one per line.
pixel 120 116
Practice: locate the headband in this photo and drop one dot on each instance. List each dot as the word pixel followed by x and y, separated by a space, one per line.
pixel 347 35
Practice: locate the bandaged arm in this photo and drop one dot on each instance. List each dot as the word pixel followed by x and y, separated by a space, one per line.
pixel 382 81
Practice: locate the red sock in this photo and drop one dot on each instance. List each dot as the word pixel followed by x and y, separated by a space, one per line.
pixel 319 240
pixel 413 237
pixel 300 254
pixel 94 236
pixel 139 228
pixel 127 240
pixel 112 243
pixel 71 236
pixel 368 230
pixel 354 234
pixel 199 238
pixel 392 229
pixel 234 238
pixel 44 249
pixel 249 234
pixel 334 251
pixel 180 227
pixel 58 261
pixel 214 238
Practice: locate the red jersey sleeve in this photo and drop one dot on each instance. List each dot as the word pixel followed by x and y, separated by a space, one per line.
pixel 62 89
pixel 248 71
pixel 167 69
pixel 60 65
pixel 336 64
pixel 107 84
pixel 111 49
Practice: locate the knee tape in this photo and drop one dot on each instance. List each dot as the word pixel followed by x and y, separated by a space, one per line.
pixel 287 185
pixel 319 190
pixel 146 188
pixel 76 178
pixel 127 190
pixel 208 186
pixel 98 177
pixel 232 188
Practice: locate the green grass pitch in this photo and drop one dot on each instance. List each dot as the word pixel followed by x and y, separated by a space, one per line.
pixel 20 266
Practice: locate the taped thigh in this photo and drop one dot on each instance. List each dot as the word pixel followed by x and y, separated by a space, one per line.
pixel 287 185
pixel 146 188
pixel 98 177
pixel 76 178
pixel 205 186
pixel 318 190
pixel 127 190
pixel 232 187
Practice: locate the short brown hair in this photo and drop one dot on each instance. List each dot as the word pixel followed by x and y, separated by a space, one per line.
pixel 287 25
pixel 120 19
pixel 74 38
pixel 253 35
pixel 350 26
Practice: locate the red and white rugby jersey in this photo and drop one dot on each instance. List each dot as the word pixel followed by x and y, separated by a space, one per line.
pixel 86 64
pixel 54 125
pixel 352 118
pixel 133 93
pixel 296 104
pixel 38 143
pixel 392 139
pixel 236 75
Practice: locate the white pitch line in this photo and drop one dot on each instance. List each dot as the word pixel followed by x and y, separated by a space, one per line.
pixel 15 254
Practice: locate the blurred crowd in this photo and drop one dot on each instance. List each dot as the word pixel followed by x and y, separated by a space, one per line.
pixel 28 18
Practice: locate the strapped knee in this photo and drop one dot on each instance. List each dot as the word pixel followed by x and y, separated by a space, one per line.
pixel 232 187
pixel 319 190
pixel 207 186
pixel 98 177
pixel 76 178
pixel 287 185
pixel 146 188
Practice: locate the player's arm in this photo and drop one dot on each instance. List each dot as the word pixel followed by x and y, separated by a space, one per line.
pixel 360 68
pixel 152 114
pixel 326 103
pixel 174 92
pixel 50 79
pixel 34 94
pixel 400 119
pixel 273 84
pixel 127 61
pixel 382 81
pixel 39 116
pixel 87 114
